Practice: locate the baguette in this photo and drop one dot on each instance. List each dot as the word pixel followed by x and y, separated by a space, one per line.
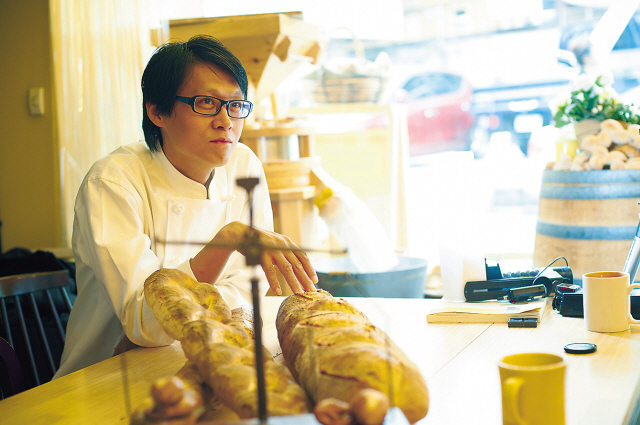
pixel 195 314
pixel 179 400
pixel 334 351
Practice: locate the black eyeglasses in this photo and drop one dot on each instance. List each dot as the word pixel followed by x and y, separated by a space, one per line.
pixel 209 105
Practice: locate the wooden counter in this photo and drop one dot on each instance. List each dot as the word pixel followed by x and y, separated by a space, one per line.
pixel 459 362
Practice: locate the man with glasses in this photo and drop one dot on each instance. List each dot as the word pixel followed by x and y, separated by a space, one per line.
pixel 153 205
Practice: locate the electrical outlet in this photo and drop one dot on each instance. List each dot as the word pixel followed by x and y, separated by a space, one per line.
pixel 36 101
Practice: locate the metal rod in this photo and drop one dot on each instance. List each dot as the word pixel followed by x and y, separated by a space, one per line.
pixel 257 323
pixel 43 335
pixel 56 317
pixel 5 322
pixel 66 299
pixel 239 243
pixel 23 326
pixel 253 254
pixel 633 259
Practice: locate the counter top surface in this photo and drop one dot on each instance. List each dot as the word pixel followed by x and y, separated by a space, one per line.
pixel 458 361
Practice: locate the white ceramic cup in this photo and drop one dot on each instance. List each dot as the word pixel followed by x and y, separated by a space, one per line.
pixel 460 264
pixel 606 301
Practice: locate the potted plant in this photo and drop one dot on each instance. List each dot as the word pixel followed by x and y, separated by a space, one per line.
pixel 591 98
pixel 606 130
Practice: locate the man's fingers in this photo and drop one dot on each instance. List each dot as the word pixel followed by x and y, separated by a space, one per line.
pixel 306 264
pixel 272 277
pixel 300 272
pixel 269 265
pixel 288 272
pixel 294 265
pixel 302 267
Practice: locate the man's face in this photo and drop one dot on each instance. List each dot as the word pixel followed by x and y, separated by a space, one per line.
pixel 196 144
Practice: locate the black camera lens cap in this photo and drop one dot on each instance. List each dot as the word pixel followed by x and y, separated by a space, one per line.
pixel 580 348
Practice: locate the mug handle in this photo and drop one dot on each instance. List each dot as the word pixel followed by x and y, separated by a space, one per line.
pixel 511 390
pixel 631 287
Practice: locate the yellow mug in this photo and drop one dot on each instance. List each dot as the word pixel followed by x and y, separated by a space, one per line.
pixel 532 389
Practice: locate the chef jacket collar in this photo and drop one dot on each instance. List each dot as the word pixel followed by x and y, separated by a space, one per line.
pixel 184 185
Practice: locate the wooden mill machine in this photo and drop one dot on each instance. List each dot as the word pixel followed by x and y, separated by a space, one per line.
pixel 271 47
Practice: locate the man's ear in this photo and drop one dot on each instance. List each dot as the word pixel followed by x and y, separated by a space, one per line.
pixel 154 115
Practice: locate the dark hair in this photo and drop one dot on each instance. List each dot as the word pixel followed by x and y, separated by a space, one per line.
pixel 166 72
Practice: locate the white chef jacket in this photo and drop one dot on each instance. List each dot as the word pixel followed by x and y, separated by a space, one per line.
pixel 129 204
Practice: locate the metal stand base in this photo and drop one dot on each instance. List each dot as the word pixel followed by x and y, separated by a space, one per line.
pixel 394 417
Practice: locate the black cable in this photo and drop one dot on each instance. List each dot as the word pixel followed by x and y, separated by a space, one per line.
pixel 549 265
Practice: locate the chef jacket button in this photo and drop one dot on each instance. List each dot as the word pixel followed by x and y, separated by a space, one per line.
pixel 179 209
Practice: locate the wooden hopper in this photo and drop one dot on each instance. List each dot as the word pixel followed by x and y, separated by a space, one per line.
pixel 270 46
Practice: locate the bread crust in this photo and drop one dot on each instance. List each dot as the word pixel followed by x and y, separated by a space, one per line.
pixel 196 314
pixel 333 350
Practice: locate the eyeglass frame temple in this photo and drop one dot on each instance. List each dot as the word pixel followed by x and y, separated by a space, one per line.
pixel 191 101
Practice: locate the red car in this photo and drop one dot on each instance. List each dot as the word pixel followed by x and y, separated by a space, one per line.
pixel 438 105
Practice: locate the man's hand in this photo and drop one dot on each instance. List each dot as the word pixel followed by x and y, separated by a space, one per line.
pixel 285 256
pixel 293 264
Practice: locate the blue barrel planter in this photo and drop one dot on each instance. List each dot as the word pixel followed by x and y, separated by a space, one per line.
pixel 406 280
pixel 588 217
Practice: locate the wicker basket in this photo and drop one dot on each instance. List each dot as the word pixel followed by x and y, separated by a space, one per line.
pixel 332 84
pixel 355 89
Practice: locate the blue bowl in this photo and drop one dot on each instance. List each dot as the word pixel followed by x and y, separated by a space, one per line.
pixel 406 280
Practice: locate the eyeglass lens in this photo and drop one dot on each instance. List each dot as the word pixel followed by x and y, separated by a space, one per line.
pixel 211 106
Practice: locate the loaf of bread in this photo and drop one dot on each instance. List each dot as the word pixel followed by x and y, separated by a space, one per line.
pixel 334 351
pixel 177 400
pixel 195 314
